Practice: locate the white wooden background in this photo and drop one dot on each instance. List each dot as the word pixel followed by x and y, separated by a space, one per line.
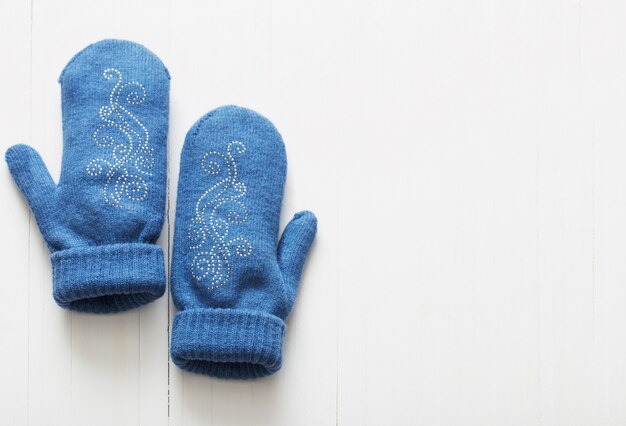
pixel 466 160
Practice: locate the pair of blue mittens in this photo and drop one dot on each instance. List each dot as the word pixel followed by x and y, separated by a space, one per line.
pixel 232 282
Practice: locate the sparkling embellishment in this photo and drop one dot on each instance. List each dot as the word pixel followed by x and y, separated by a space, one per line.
pixel 131 158
pixel 219 207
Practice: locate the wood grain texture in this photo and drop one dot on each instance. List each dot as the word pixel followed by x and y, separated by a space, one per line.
pixel 465 160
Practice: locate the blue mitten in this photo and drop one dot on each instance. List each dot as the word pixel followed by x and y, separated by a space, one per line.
pixel 233 284
pixel 103 218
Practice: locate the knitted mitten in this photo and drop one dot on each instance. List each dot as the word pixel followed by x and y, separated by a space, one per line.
pixel 102 220
pixel 233 285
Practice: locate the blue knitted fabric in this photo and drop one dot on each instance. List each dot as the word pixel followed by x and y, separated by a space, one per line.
pixel 233 284
pixel 102 220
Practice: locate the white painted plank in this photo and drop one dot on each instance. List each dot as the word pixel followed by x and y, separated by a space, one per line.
pixel 15 289
pixel 51 355
pixel 566 219
pixel 604 68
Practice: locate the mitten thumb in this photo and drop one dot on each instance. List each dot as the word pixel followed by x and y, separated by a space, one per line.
pixel 32 177
pixel 293 248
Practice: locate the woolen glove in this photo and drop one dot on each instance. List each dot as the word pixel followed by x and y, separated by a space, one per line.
pixel 103 218
pixel 233 284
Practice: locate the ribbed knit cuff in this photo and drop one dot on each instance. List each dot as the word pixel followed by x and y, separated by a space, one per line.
pixel 111 278
pixel 227 343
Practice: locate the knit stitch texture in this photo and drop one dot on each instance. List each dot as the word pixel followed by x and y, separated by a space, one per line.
pixel 103 218
pixel 233 284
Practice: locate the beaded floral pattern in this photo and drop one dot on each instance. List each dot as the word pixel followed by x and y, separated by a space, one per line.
pixel 130 158
pixel 219 207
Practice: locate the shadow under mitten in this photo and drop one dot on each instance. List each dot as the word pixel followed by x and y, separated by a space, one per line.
pixel 102 220
pixel 233 285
